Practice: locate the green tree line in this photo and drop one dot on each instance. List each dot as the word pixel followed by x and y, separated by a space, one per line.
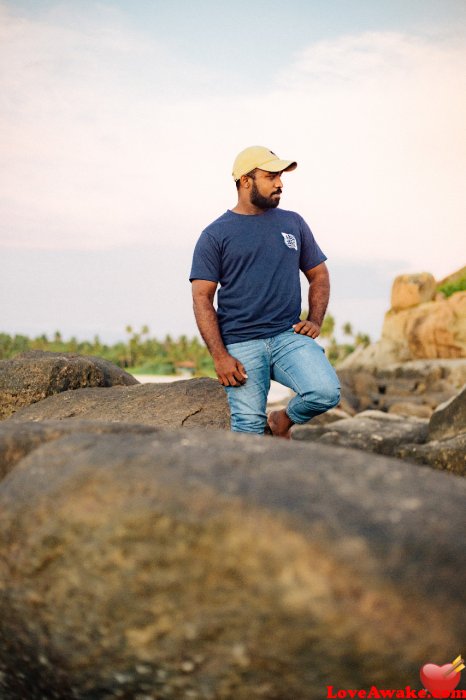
pixel 139 353
pixel 143 354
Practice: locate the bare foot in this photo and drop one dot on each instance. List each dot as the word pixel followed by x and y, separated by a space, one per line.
pixel 280 424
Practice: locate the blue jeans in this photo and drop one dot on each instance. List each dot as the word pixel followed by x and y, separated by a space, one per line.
pixel 292 359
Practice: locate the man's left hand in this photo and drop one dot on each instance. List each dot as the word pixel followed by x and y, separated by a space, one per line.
pixel 307 328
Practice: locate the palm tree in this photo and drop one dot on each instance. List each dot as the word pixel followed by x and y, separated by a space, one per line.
pixel 347 328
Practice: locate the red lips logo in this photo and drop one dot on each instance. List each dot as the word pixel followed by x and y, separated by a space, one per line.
pixel 440 681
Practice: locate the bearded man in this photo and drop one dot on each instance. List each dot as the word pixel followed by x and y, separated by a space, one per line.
pixel 255 252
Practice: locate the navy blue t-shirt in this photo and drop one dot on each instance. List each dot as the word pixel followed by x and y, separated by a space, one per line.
pixel 256 260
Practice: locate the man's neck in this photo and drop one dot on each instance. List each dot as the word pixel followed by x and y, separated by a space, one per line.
pixel 248 209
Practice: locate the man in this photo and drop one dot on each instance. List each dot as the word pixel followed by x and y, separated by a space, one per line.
pixel 255 252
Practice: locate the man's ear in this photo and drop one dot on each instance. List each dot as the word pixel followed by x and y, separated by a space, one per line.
pixel 244 180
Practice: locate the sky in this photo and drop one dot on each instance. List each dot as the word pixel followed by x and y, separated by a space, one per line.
pixel 120 121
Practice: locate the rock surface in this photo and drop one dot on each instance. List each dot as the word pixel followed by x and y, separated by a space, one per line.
pixel 423 383
pixel 406 408
pixel 434 329
pixel 449 419
pixel 330 416
pixel 437 329
pixel 411 290
pixel 32 376
pixel 187 403
pixel 439 442
pixel 17 442
pixel 217 566
pixel 449 454
pixel 373 431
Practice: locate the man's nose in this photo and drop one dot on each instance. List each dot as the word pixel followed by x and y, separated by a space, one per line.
pixel 278 182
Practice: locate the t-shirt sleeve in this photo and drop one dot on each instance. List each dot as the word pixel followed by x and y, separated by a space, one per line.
pixel 206 260
pixel 311 254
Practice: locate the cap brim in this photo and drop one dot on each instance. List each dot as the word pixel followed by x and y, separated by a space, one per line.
pixel 278 166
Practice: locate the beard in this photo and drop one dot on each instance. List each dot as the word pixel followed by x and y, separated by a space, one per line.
pixel 260 201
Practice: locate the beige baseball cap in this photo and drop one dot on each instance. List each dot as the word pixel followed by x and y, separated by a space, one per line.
pixel 260 157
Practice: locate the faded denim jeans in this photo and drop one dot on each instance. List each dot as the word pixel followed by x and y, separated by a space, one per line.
pixel 295 360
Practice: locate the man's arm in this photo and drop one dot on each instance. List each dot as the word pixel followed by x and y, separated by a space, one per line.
pixel 230 371
pixel 319 293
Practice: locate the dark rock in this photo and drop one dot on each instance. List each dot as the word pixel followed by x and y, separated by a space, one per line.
pixel 16 441
pixel 358 389
pixel 449 419
pixel 186 403
pixel 184 564
pixel 449 454
pixel 347 404
pixel 400 387
pixel 364 385
pixel 373 431
pixel 32 376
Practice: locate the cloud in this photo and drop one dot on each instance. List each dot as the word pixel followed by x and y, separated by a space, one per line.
pixel 110 140
pixel 88 130
pixel 385 118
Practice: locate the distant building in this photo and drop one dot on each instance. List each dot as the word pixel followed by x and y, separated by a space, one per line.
pixel 185 369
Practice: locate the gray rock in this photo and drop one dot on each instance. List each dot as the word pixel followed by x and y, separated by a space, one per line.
pixel 330 416
pixel 371 430
pixel 449 455
pixel 18 441
pixel 425 384
pixel 186 403
pixel 451 372
pixel 407 408
pixel 184 564
pixel 449 419
pixel 359 389
pixel 324 419
pixel 32 376
pixel 347 403
pixel 428 400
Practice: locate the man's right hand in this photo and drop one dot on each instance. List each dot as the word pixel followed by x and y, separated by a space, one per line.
pixel 230 371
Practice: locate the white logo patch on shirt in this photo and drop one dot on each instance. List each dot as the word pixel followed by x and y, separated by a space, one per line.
pixel 290 240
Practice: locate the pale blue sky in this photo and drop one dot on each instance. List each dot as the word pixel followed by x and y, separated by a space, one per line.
pixel 230 28
pixel 250 42
pixel 120 121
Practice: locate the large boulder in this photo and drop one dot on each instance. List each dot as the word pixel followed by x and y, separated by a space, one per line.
pixel 183 404
pixel 446 439
pixel 449 454
pixel 17 442
pixel 449 419
pixel 174 564
pixel 435 329
pixel 370 430
pixel 423 383
pixel 32 376
pixel 417 326
pixel 412 289
pixel 439 442
pixel 358 389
